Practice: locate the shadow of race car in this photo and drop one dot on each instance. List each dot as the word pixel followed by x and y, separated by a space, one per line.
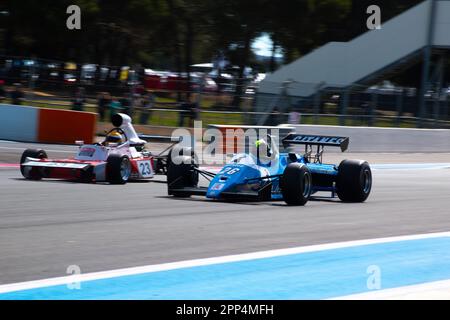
pixel 265 174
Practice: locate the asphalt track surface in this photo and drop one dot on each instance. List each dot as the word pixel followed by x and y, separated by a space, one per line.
pixel 46 226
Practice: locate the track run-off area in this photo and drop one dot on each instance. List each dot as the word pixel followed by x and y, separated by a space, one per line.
pixel 134 242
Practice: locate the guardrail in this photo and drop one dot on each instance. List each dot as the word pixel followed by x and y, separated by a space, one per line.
pixel 30 124
pixel 390 140
pixel 167 114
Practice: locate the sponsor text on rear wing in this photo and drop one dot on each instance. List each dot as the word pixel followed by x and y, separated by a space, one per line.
pixel 316 140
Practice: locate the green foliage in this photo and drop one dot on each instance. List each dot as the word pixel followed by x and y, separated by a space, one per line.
pixel 175 33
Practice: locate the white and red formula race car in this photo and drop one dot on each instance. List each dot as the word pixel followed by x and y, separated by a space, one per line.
pixel 121 157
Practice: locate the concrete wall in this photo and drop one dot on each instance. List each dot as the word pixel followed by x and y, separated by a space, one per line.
pixel 18 123
pixel 232 142
pixel 374 139
pixel 340 64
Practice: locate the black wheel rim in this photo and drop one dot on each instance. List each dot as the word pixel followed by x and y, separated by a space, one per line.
pixel 125 169
pixel 306 185
pixel 367 181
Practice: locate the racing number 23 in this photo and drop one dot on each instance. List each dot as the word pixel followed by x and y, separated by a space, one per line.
pixel 145 169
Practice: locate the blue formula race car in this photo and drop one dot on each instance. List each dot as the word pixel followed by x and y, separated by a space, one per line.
pixel 265 174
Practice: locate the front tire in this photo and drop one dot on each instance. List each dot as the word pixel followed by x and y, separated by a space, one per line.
pixel 118 169
pixel 354 181
pixel 296 184
pixel 31 173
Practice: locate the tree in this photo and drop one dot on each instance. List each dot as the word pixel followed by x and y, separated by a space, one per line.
pixel 300 26
pixel 173 34
pixel 234 24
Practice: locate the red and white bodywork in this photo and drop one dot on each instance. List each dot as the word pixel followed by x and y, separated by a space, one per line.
pixel 112 162
pixel 90 163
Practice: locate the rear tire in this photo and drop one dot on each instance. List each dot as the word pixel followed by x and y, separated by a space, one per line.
pixel 31 173
pixel 354 181
pixel 181 174
pixel 296 184
pixel 176 151
pixel 118 169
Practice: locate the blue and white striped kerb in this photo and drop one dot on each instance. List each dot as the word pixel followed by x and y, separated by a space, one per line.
pixel 364 268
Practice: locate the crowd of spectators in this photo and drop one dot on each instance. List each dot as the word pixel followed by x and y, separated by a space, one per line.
pixel 16 94
pixel 137 102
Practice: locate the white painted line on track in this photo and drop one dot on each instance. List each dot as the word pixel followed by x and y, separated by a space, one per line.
pixel 371 128
pixel 409 166
pixel 49 150
pixel 9 165
pixel 208 261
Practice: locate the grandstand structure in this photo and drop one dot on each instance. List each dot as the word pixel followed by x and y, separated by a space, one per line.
pixel 420 34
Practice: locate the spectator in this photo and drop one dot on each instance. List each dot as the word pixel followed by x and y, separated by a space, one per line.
pixel 294 117
pixel 190 110
pixel 274 117
pixel 147 106
pixel 79 100
pixel 103 101
pixel 140 90
pixel 17 95
pixel 115 106
pixel 184 110
pixel 195 111
pixel 2 91
pixel 125 103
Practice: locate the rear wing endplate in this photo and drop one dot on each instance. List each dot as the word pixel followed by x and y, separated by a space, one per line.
pixel 315 140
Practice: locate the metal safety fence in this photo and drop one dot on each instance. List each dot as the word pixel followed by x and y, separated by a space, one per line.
pixel 222 100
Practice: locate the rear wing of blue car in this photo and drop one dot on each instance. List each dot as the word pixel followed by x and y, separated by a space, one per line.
pixel 315 140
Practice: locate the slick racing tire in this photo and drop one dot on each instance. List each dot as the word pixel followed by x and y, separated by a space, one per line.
pixel 354 181
pixel 296 184
pixel 181 174
pixel 118 169
pixel 31 173
pixel 178 151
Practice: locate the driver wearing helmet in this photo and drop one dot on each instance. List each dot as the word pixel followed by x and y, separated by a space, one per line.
pixel 114 137
pixel 263 152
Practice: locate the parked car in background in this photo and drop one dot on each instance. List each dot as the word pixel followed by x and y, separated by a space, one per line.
pixel 88 72
pixel 70 73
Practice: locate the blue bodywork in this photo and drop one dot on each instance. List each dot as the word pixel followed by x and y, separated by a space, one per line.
pixel 247 175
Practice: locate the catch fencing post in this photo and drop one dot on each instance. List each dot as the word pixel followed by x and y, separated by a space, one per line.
pixel 372 106
pixel 399 102
pixel 344 107
pixel 439 90
pixel 317 101
pixel 426 63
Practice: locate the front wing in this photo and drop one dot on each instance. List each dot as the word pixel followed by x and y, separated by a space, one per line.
pixel 202 191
